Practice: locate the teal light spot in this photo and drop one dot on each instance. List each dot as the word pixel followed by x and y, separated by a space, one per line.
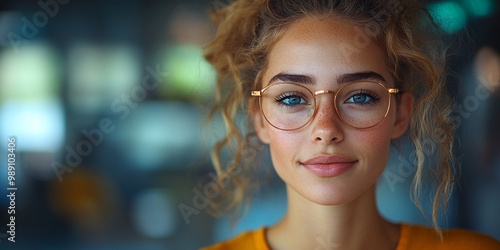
pixel 479 8
pixel 449 15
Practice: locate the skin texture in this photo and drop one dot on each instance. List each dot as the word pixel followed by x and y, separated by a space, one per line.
pixel 338 210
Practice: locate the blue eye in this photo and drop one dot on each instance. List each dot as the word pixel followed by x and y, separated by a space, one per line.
pixel 291 99
pixel 360 98
pixel 363 97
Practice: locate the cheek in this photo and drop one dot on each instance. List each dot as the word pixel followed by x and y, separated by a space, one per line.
pixel 373 144
pixel 284 146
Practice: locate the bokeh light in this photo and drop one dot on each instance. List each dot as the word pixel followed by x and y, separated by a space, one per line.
pixel 154 214
pixel 31 73
pixel 100 73
pixel 479 8
pixel 449 15
pixel 189 75
pixel 37 125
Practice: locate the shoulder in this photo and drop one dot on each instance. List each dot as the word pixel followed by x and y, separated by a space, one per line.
pixel 254 240
pixel 419 237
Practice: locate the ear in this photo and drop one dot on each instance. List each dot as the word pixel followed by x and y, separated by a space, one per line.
pixel 260 124
pixel 403 114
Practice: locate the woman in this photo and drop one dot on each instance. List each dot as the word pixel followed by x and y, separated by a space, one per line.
pixel 328 85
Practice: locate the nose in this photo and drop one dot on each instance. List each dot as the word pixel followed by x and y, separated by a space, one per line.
pixel 326 125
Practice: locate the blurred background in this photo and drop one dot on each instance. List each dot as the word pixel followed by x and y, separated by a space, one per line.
pixel 107 101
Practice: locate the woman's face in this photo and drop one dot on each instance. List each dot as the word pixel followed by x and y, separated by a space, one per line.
pixel 327 161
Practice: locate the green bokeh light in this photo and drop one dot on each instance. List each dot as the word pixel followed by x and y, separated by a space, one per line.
pixel 32 73
pixel 479 8
pixel 449 15
pixel 189 75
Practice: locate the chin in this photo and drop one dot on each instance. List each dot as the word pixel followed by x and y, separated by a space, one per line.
pixel 328 195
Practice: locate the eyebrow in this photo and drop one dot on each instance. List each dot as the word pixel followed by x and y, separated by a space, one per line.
pixel 342 79
pixel 283 77
pixel 359 76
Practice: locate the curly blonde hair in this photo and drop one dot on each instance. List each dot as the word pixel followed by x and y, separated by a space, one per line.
pixel 406 32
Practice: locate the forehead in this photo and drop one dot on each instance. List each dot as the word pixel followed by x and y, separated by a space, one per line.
pixel 326 47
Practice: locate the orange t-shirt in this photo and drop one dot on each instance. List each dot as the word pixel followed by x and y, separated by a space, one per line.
pixel 411 237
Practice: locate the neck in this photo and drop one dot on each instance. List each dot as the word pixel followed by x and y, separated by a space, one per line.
pixel 353 225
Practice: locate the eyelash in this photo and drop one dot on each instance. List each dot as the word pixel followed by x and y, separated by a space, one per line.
pixel 370 94
pixel 279 99
pixel 286 95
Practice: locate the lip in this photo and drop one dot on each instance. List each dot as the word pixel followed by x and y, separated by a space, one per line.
pixel 329 165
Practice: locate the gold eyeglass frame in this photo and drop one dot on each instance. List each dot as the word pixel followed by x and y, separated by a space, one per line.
pixel 259 93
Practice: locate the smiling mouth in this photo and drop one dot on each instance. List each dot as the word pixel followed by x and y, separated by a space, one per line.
pixel 329 165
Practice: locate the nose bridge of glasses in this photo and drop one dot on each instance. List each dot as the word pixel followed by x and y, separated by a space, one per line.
pixel 320 92
pixel 329 101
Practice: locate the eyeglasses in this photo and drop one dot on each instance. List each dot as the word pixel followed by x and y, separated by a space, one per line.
pixel 291 106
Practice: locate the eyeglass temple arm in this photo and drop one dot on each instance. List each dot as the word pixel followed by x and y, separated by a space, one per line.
pixel 256 93
pixel 393 90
